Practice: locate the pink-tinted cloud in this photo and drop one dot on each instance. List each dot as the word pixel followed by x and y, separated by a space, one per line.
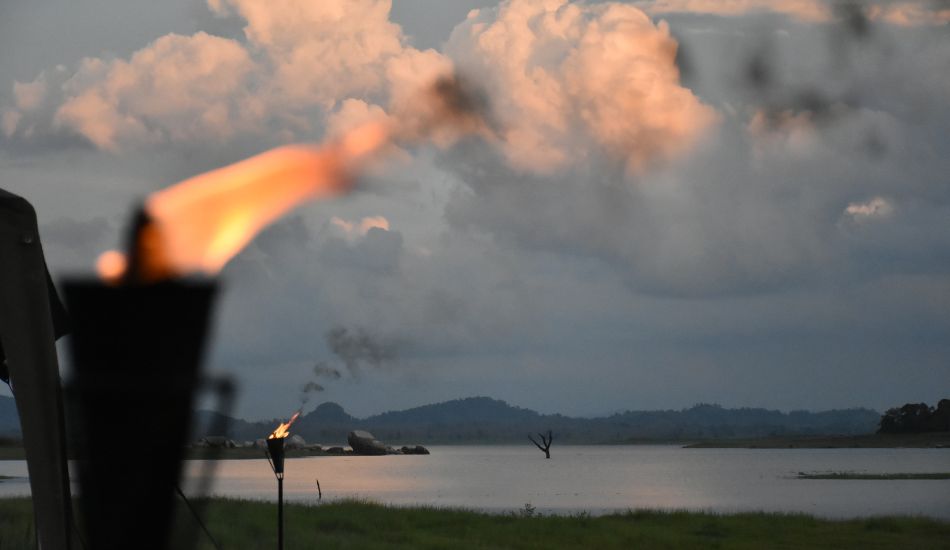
pixel 179 88
pixel 911 13
pixel 320 52
pixel 568 80
pixel 299 62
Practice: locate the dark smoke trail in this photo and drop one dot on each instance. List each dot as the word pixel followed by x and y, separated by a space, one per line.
pixel 357 347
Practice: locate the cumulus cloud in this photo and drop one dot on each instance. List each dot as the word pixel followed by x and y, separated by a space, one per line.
pixel 322 51
pixel 597 149
pixel 569 81
pixel 298 64
pixel 28 115
pixel 755 208
pixel 608 186
pixel 179 88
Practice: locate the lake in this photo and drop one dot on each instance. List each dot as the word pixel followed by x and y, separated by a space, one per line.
pixel 597 479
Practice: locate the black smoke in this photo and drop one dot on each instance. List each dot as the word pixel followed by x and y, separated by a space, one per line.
pixel 358 348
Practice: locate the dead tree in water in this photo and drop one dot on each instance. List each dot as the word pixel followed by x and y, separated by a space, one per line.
pixel 546 447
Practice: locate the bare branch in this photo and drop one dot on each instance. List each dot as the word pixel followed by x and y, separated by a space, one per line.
pixel 546 440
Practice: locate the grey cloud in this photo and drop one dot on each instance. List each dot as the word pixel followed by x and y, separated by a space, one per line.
pixel 757 207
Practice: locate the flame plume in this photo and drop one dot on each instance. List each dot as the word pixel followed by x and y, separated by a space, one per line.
pixel 284 429
pixel 198 225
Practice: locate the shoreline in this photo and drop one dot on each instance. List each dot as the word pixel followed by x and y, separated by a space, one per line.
pixel 938 440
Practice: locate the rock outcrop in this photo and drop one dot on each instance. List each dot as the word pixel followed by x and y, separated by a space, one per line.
pixel 363 443
pixel 216 442
pixel 414 450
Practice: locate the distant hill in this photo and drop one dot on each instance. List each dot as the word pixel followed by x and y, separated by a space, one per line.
pixel 486 420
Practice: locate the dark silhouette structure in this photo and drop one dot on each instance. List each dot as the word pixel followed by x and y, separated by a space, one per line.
pixel 545 444
pixel 31 318
pixel 275 453
pixel 137 353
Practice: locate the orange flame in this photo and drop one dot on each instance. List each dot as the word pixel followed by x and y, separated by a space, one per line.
pixel 201 223
pixel 198 225
pixel 204 221
pixel 284 429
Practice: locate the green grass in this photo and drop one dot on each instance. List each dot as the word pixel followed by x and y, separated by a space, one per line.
pixel 854 475
pixel 360 525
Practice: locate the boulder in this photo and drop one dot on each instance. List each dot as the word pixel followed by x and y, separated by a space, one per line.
pixel 414 450
pixel 216 442
pixel 363 443
pixel 335 450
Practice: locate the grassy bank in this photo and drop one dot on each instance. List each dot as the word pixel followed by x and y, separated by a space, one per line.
pixel 870 441
pixel 251 525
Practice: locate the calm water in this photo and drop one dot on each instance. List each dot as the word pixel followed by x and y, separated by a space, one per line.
pixel 599 479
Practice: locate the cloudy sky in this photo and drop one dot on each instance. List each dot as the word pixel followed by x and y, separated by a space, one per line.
pixel 677 201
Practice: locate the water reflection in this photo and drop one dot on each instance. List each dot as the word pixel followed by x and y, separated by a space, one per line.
pixel 598 479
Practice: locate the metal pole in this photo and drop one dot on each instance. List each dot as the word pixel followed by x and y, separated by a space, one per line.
pixel 280 513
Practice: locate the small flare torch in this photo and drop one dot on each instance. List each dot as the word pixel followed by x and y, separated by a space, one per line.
pixel 275 454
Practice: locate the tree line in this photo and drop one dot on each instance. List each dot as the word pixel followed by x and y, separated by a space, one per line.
pixel 916 418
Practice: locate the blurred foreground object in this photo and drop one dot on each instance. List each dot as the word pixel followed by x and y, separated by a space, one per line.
pixel 31 318
pixel 137 353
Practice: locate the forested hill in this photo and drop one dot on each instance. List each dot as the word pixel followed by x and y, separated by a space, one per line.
pixel 486 420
